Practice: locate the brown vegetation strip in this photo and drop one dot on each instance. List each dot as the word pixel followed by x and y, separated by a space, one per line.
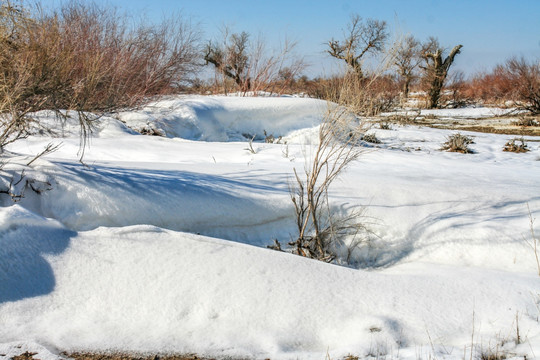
pixel 531 131
pixel 130 356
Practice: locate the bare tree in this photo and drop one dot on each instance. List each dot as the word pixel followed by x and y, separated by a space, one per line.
pixel 361 37
pixel 231 58
pixel 250 64
pixel 407 59
pixel 436 69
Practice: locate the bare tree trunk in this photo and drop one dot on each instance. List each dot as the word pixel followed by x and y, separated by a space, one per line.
pixel 406 88
pixel 434 93
pixel 437 70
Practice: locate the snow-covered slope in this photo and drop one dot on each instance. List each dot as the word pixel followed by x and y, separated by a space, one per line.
pixel 219 118
pixel 148 247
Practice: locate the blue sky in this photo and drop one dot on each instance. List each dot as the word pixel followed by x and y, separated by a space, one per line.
pixel 489 30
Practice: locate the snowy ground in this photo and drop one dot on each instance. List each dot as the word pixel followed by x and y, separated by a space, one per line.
pixel 158 243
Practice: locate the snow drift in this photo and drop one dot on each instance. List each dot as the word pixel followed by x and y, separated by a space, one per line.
pixel 149 246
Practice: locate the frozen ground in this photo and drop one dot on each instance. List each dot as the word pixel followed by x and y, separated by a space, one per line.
pixel 158 243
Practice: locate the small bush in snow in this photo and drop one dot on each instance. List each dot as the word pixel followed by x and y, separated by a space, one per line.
pixel 385 125
pixel 15 181
pixel 458 143
pixel 371 138
pixel 322 233
pixel 149 130
pixel 514 146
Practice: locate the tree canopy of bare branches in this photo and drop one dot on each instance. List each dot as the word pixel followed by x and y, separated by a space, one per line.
pixel 361 37
pixel 231 58
pixel 407 59
pixel 436 69
pixel 250 64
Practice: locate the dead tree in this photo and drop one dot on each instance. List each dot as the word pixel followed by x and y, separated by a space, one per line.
pixel 436 69
pixel 361 38
pixel 231 58
pixel 406 60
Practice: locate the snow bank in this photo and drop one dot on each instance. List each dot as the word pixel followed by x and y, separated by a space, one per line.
pixel 148 245
pixel 146 289
pixel 219 118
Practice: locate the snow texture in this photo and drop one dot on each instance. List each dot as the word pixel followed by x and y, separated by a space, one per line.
pixel 158 243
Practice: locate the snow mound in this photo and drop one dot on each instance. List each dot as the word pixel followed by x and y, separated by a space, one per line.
pixel 220 118
pixel 147 289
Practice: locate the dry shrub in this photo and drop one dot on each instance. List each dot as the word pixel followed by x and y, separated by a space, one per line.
pixel 85 58
pixel 517 80
pixel 322 233
pixel 365 96
pixel 117 64
pixel 526 121
pixel 494 87
pixel 514 146
pixel 458 143
pixel 525 79
pixel 371 138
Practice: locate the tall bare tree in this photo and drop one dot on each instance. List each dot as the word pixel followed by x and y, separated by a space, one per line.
pixel 361 37
pixel 436 69
pixel 231 58
pixel 407 59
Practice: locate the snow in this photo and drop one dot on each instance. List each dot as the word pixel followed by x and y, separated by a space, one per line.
pixel 218 118
pixel 158 243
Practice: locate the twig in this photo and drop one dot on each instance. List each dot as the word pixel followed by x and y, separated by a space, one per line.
pixel 250 148
pixel 50 148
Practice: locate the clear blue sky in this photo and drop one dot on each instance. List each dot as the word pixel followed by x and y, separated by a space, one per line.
pixel 489 30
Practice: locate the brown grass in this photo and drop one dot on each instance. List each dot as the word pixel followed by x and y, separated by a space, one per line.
pixel 131 356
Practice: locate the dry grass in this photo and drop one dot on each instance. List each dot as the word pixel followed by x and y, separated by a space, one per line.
pixel 516 145
pixel 131 356
pixel 458 143
pixel 365 96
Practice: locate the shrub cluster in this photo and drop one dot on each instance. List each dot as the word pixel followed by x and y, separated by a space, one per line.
pixel 365 96
pixel 458 143
pixel 517 80
pixel 85 58
pixel 516 145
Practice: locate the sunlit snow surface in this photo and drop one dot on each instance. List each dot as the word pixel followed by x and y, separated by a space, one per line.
pixel 158 243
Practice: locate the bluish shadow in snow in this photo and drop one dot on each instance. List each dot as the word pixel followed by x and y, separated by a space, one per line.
pixel 454 218
pixel 244 207
pixel 171 180
pixel 24 240
pixel 470 216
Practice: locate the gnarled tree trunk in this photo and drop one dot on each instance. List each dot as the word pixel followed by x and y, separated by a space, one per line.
pixel 436 72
